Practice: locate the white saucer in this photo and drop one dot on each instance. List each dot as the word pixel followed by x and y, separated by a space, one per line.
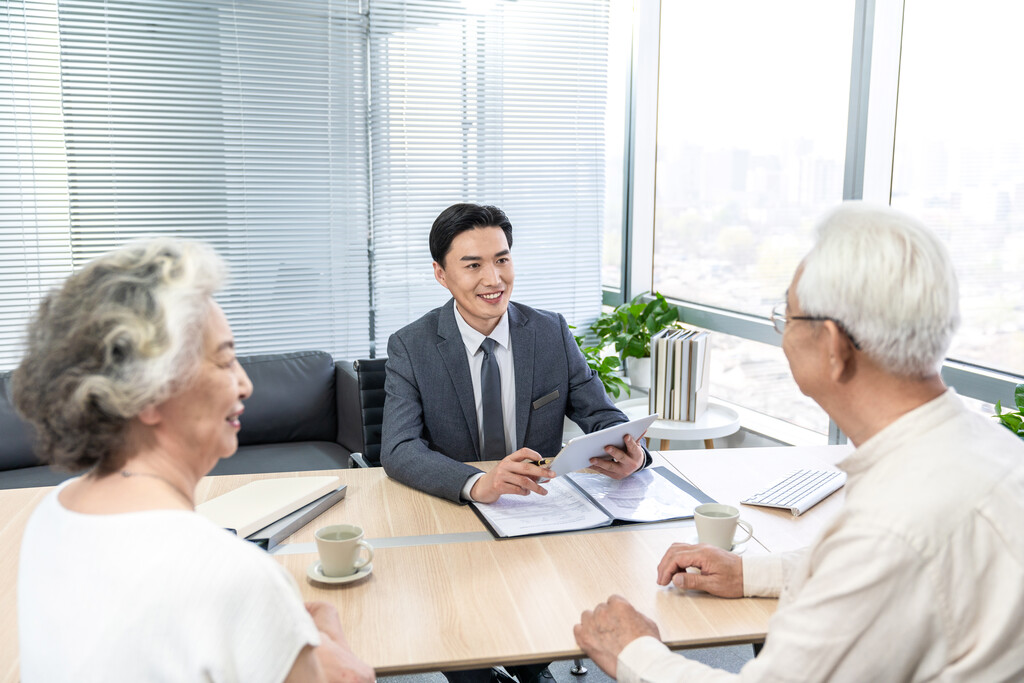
pixel 315 573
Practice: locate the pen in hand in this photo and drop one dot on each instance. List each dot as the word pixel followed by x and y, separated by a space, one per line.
pixel 543 462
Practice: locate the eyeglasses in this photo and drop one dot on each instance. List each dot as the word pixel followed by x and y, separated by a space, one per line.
pixel 779 319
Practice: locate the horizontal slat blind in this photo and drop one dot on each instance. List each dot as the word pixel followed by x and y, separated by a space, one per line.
pixel 495 102
pixel 245 124
pixel 238 123
pixel 35 251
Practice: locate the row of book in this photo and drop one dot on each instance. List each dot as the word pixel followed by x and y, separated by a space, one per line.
pixel 679 373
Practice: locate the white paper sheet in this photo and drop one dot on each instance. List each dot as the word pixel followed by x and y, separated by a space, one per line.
pixel 563 509
pixel 642 497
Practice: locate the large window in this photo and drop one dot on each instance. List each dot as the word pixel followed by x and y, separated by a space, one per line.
pixel 311 142
pixel 958 162
pixel 764 124
pixel 751 142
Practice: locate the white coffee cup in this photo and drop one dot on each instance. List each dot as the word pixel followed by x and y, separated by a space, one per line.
pixel 716 525
pixel 340 547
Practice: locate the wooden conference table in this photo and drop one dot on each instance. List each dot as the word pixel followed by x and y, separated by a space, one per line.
pixel 444 594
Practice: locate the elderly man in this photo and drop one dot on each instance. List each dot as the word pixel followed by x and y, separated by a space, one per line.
pixel 921 575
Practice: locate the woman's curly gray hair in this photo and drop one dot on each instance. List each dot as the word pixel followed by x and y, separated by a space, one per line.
pixel 122 333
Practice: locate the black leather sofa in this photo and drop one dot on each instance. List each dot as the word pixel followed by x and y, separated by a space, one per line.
pixel 303 415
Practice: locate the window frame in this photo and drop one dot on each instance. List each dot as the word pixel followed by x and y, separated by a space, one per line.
pixel 871 124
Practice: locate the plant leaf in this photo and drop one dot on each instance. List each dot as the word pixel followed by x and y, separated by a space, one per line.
pixel 1012 421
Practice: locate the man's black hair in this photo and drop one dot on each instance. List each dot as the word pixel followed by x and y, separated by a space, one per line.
pixel 459 218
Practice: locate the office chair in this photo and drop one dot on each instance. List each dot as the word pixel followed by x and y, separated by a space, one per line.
pixel 370 378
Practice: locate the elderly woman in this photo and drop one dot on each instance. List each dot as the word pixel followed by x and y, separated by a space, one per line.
pixel 131 375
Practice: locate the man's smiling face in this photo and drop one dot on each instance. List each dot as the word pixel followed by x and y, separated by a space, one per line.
pixel 478 272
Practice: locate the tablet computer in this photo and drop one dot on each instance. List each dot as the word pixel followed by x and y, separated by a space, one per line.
pixel 576 454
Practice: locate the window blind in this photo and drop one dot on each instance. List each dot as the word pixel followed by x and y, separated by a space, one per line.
pixel 250 125
pixel 35 248
pixel 496 102
pixel 238 123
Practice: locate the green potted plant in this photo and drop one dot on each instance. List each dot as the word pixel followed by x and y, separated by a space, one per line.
pixel 607 368
pixel 629 328
pixel 1014 419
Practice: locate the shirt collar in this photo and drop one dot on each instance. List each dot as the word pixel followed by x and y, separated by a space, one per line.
pixel 472 339
pixel 906 429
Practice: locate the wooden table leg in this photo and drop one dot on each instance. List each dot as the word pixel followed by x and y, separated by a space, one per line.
pixel 662 444
pixel 709 443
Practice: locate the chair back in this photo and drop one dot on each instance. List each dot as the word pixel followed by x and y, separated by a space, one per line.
pixel 370 376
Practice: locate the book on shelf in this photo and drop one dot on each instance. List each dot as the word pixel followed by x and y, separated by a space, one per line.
pixel 585 500
pixel 699 375
pixel 680 375
pixel 657 371
pixel 680 372
pixel 668 354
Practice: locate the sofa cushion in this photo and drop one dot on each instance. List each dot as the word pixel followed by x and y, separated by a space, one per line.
pixel 16 437
pixel 293 398
pixel 29 477
pixel 301 456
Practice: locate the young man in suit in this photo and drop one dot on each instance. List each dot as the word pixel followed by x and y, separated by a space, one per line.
pixel 482 378
pixel 446 406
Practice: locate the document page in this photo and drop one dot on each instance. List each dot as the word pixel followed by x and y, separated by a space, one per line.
pixel 563 509
pixel 646 496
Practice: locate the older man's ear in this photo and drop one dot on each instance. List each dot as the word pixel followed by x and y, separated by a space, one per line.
pixel 842 360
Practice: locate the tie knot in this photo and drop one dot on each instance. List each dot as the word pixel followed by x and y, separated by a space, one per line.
pixel 488 345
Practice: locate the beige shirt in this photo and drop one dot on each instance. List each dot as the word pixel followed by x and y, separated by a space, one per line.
pixel 919 578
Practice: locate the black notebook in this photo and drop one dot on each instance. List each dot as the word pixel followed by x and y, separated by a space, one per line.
pixel 581 500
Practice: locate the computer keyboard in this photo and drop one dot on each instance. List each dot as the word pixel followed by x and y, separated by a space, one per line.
pixel 800 491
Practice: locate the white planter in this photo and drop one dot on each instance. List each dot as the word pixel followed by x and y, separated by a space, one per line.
pixel 639 372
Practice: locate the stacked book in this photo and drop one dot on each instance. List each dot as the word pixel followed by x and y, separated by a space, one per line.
pixel 679 373
pixel 267 511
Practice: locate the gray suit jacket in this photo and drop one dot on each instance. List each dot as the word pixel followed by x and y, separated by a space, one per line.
pixel 430 427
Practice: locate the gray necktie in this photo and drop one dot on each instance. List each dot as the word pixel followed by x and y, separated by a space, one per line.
pixel 490 390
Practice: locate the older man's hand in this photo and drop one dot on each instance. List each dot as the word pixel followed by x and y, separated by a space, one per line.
pixel 721 572
pixel 604 631
pixel 622 463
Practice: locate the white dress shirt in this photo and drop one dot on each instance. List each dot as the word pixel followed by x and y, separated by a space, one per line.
pixel 920 577
pixel 503 354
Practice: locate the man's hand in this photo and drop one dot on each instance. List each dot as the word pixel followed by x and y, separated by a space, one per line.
pixel 337 661
pixel 721 572
pixel 610 627
pixel 623 462
pixel 516 474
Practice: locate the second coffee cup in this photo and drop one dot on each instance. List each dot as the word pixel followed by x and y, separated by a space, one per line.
pixel 340 547
pixel 716 525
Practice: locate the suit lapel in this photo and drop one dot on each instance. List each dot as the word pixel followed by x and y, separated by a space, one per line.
pixel 522 359
pixel 453 353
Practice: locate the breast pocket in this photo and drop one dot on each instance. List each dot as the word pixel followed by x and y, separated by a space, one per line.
pixel 545 399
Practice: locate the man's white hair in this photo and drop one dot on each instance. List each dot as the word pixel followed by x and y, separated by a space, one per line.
pixel 888 281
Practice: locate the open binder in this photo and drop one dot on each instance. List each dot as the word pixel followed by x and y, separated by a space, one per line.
pixel 584 500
